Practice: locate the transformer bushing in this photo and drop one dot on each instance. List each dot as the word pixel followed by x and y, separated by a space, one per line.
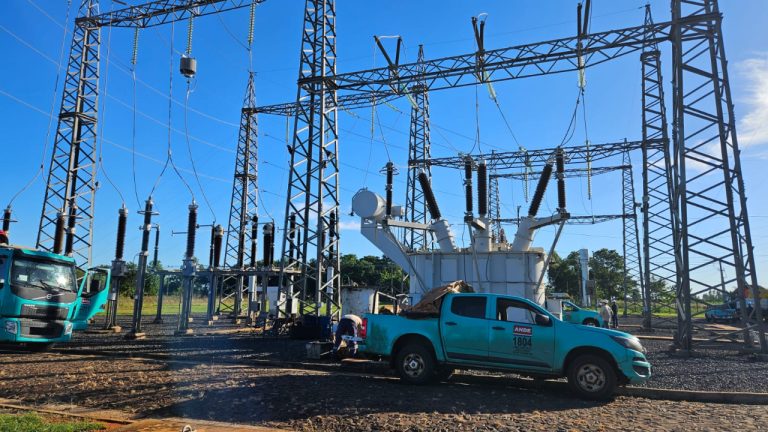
pixel 216 241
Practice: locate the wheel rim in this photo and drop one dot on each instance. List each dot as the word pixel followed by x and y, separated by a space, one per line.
pixel 591 378
pixel 413 365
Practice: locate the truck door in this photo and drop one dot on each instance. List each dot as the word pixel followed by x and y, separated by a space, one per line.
pixel 515 340
pixel 464 328
pixel 94 290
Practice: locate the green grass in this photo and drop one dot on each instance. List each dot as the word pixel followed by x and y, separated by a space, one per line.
pixel 171 305
pixel 31 422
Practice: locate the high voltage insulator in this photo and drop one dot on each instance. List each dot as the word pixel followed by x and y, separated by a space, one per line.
pixel 188 64
pixel 191 229
pixel 217 237
pixel 468 185
pixel 482 189
pixel 434 210
pixel 254 238
pixel 251 23
pixel 332 222
pixel 122 219
pixel 269 243
pixel 58 238
pixel 7 219
pixel 560 161
pixel 135 54
pixel 540 188
pixel 71 226
pixel 390 169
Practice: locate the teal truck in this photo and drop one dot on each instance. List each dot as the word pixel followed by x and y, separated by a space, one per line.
pixel 578 315
pixel 41 302
pixel 512 334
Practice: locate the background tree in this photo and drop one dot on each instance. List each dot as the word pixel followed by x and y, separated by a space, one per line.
pixel 565 275
pixel 607 267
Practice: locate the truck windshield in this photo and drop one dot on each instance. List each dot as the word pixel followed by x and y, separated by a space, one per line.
pixel 47 275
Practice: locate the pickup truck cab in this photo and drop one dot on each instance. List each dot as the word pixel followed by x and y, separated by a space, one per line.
pixel 500 332
pixel 578 315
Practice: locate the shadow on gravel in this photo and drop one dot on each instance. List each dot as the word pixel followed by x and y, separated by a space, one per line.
pixel 291 397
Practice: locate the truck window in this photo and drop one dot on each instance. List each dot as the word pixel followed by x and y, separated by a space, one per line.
pixel 512 310
pixel 472 307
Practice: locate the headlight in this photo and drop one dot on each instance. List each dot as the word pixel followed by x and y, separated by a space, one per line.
pixel 630 343
pixel 68 328
pixel 11 327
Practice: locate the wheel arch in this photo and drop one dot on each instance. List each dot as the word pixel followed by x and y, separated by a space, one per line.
pixel 406 339
pixel 574 353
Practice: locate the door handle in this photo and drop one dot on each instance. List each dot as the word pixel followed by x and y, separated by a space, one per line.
pixel 497 328
pixel 450 323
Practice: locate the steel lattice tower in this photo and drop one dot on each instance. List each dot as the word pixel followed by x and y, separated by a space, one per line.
pixel 245 196
pixel 245 189
pixel 71 182
pixel 633 268
pixel 494 208
pixel 418 150
pixel 313 197
pixel 658 217
pixel 708 183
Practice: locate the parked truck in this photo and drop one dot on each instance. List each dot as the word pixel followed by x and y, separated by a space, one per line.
pixel 41 302
pixel 509 333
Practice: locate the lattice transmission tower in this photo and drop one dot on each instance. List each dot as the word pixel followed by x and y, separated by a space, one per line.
pixel 311 243
pixel 418 153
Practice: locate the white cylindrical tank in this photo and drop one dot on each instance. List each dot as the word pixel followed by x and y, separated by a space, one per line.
pixel 369 205
pixel 357 301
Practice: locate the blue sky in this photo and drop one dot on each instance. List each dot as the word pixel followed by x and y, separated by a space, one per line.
pixel 538 109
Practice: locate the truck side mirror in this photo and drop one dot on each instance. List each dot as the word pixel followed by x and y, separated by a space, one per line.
pixel 543 320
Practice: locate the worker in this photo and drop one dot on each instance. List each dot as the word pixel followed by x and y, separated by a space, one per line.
pixel 349 325
pixel 605 313
pixel 614 314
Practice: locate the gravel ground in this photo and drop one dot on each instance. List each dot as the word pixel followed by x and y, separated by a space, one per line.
pixel 706 370
pixel 322 401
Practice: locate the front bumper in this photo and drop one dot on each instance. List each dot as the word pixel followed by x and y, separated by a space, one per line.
pixel 636 367
pixel 32 330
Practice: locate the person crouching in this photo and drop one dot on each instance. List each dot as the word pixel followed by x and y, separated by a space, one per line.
pixel 349 325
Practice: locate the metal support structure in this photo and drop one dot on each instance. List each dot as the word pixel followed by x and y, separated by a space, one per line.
pixel 218 234
pixel 708 183
pixel 314 168
pixel 579 220
pixel 494 208
pixel 160 296
pixel 633 267
pixel 418 150
pixel 71 184
pixel 245 197
pixel 659 218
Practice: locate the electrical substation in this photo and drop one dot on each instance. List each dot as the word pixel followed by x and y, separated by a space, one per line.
pixel 282 280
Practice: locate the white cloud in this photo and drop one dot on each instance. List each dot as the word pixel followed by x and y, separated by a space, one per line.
pixel 349 225
pixel 753 127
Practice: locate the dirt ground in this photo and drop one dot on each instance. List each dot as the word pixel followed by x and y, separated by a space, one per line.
pixel 337 401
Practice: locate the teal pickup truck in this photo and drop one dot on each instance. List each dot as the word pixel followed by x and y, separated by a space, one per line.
pixel 490 331
pixel 577 315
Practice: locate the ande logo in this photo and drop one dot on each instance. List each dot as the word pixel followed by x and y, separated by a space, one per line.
pixel 522 330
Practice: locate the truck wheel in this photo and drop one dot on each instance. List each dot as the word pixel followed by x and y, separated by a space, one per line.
pixel 590 322
pixel 444 373
pixel 592 377
pixel 415 364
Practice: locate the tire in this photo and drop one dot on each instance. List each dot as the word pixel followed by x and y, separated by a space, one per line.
pixel 415 364
pixel 39 347
pixel 444 374
pixel 592 377
pixel 709 319
pixel 590 322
